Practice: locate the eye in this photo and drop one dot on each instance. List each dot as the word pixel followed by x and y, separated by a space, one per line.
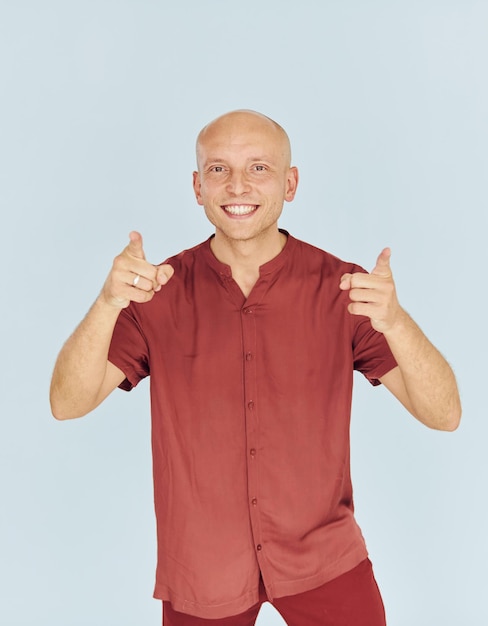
pixel 259 168
pixel 217 168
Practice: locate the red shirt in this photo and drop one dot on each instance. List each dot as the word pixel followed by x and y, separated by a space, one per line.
pixel 250 404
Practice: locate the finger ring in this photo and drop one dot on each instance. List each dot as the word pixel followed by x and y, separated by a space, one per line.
pixel 136 280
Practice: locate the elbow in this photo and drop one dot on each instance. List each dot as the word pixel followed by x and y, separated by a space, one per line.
pixel 453 420
pixel 454 415
pixel 57 410
pixel 62 409
pixel 449 421
pixel 61 413
pixel 446 417
pixel 60 416
pixel 447 426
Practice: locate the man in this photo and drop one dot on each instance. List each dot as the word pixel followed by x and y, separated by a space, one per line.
pixel 251 339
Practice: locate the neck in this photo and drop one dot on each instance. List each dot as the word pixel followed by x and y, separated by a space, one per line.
pixel 250 253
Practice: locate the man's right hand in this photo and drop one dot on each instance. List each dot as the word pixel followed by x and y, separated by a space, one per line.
pixel 132 278
pixel 83 376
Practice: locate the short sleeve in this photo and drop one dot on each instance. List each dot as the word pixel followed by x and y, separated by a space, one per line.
pixel 128 349
pixel 371 353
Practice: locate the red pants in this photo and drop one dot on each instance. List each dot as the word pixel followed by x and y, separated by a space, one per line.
pixel 352 599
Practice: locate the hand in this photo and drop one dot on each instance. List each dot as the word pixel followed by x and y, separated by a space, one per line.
pixel 132 278
pixel 374 295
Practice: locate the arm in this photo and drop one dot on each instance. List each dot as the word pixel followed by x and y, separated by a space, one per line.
pixel 423 381
pixel 83 377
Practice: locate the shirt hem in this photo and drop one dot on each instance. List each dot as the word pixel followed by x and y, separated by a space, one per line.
pixel 215 611
pixel 276 590
pixel 294 587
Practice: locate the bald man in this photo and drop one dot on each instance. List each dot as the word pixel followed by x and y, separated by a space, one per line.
pixel 250 340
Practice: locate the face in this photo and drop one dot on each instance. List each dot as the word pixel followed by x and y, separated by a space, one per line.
pixel 244 176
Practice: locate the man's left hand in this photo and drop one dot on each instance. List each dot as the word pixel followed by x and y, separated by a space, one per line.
pixel 374 295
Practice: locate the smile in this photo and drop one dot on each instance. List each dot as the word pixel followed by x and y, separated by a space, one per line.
pixel 240 209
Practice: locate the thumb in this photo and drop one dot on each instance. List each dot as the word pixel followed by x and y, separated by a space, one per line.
pixel 135 245
pixel 382 267
pixel 345 282
pixel 164 273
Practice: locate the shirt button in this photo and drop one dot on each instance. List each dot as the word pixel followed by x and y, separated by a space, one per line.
pixel 254 501
pixel 252 452
pixel 248 356
pixel 250 405
pixel 247 310
pixel 259 547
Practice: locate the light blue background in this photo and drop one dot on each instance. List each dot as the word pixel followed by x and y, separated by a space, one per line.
pixel 100 101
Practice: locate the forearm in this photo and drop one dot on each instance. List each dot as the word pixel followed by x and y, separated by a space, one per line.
pixel 78 379
pixel 431 390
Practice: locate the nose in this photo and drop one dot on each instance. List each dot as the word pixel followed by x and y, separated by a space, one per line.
pixel 238 183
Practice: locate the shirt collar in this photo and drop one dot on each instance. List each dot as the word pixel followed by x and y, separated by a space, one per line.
pixel 270 267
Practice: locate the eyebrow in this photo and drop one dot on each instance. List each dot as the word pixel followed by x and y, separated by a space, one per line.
pixel 263 158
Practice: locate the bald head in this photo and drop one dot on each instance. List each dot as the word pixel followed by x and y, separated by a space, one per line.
pixel 232 127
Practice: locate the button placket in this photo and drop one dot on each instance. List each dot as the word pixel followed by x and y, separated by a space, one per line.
pixel 250 358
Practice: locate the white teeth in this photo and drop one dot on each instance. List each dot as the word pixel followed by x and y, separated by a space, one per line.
pixel 240 209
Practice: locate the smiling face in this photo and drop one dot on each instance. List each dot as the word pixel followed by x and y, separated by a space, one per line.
pixel 244 176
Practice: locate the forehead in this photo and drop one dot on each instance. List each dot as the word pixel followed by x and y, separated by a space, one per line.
pixel 244 135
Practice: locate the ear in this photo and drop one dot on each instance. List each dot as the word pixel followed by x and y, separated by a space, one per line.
pixel 197 185
pixel 291 184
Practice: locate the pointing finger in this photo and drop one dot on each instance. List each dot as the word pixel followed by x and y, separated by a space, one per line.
pixel 382 267
pixel 135 245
